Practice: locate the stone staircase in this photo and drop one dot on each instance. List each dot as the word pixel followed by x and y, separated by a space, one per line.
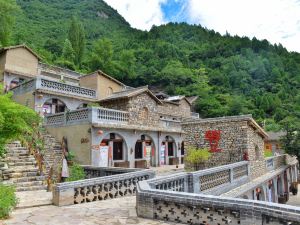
pixel 53 153
pixel 19 168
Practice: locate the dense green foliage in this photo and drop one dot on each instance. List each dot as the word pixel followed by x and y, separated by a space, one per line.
pixel 8 200
pixel 15 121
pixel 291 141
pixel 76 173
pixel 196 156
pixel 231 75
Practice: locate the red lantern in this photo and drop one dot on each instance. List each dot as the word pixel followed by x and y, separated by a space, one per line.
pixel 100 132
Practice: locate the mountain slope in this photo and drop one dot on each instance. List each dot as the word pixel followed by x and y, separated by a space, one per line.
pixel 232 75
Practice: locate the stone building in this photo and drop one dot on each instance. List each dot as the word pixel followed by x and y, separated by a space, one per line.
pixel 273 144
pixel 132 128
pixel 231 139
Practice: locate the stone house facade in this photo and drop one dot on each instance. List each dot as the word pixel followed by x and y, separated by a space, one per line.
pixel 233 139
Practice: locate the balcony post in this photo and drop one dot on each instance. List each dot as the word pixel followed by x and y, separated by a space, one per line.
pixel 38 83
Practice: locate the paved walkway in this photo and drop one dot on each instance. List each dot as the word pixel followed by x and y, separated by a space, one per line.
pixel 117 211
pixel 35 208
pixel 294 199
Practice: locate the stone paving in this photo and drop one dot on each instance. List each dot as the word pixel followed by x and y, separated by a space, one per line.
pixel 112 212
pixel 35 208
pixel 294 199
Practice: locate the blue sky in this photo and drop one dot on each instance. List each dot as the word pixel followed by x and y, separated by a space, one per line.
pixel 275 20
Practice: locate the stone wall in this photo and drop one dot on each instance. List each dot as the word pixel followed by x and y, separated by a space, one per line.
pixel 142 109
pixel 236 137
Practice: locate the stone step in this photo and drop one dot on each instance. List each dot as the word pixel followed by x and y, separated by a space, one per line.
pixel 32 188
pixel 17 169
pixel 22 163
pixel 29 184
pixel 28 179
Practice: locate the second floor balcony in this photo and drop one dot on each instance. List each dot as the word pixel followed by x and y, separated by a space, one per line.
pixel 54 87
pixel 106 117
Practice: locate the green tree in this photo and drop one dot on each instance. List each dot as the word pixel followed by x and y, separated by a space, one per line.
pixel 68 53
pixel 76 36
pixel 8 9
pixel 15 120
pixel 101 56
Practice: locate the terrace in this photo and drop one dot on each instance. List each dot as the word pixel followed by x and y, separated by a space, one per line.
pixel 55 87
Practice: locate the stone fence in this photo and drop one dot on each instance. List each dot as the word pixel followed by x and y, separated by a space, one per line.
pixel 92 115
pixel 215 180
pixel 107 186
pixel 177 199
pixel 56 87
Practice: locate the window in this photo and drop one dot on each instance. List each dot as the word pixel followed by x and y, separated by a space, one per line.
pixel 138 153
pixel 170 149
pixel 118 150
pixel 109 91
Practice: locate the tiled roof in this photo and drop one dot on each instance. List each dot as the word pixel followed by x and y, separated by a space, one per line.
pixel 20 46
pixel 130 93
pixel 275 136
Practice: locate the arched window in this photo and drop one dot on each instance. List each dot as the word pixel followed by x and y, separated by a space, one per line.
pixel 143 115
pixel 109 91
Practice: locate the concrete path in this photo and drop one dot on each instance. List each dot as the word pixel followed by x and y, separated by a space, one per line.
pixel 34 198
pixel 294 199
pixel 119 211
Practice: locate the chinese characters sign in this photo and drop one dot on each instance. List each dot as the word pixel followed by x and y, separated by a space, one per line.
pixel 213 137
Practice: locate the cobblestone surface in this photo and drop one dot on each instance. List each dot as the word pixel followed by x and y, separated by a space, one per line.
pixel 112 212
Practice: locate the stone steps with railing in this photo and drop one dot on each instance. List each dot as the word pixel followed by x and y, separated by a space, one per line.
pixel 19 168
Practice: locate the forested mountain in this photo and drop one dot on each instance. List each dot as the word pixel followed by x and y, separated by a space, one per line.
pixel 232 75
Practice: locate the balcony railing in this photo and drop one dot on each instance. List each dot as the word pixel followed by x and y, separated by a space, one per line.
pixel 91 115
pixel 168 123
pixel 56 87
pixel 58 70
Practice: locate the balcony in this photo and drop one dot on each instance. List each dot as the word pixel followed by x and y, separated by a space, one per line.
pixel 58 70
pixel 54 87
pixel 88 115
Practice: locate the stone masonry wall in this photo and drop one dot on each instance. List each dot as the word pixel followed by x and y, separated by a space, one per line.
pixel 171 109
pixel 236 137
pixel 255 149
pixel 143 110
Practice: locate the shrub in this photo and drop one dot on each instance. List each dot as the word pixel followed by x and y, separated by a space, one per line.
pixel 268 154
pixel 70 156
pixel 196 156
pixel 8 200
pixel 76 173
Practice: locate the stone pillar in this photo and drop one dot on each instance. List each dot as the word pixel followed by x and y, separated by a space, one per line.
pixel 275 197
pixel 63 197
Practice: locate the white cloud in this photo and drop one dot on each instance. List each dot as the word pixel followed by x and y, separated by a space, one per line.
pixel 141 14
pixel 275 20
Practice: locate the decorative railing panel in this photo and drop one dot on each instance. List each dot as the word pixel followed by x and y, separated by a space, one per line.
pixel 104 114
pixel 99 188
pixel 215 179
pixel 174 185
pixel 55 119
pixel 170 123
pixel 91 115
pixel 66 88
pixel 184 213
pixel 240 171
pixel 93 172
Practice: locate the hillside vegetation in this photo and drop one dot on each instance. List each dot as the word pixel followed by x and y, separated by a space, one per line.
pixel 231 75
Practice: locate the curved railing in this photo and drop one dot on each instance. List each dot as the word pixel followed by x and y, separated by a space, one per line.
pixel 175 198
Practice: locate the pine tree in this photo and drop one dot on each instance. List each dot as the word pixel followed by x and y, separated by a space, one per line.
pixel 77 39
pixel 68 53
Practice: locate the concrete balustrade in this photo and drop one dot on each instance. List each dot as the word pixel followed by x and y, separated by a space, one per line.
pixel 54 87
pixel 177 198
